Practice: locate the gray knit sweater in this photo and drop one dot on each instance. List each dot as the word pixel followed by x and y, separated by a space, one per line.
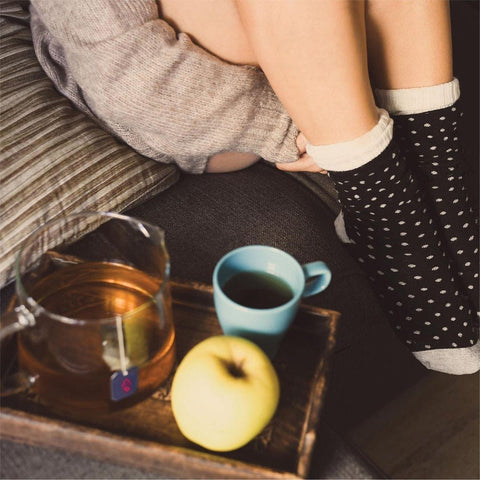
pixel 167 98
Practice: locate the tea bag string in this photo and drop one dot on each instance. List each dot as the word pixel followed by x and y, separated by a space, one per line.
pixel 121 344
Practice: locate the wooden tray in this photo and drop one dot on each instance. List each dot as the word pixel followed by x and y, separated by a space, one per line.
pixel 146 436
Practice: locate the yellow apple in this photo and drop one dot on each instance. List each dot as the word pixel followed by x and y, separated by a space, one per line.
pixel 224 393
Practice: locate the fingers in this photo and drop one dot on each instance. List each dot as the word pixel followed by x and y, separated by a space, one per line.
pixel 303 164
pixel 301 142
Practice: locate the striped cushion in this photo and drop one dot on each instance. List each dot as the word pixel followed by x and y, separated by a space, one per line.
pixel 54 160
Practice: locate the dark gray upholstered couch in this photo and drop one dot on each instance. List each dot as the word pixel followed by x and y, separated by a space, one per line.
pixel 55 161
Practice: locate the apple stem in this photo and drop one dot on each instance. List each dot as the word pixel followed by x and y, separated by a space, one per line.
pixel 235 369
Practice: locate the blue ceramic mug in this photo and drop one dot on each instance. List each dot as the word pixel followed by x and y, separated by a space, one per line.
pixel 257 291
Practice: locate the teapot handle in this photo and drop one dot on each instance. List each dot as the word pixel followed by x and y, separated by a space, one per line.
pixel 14 321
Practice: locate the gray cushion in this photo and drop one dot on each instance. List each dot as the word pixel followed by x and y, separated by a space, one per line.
pixel 55 160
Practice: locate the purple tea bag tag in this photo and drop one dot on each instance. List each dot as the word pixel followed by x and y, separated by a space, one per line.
pixel 123 384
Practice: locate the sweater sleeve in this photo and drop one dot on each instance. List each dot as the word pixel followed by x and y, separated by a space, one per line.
pixel 134 70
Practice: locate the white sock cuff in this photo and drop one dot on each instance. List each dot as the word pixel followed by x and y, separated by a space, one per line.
pixel 406 101
pixel 344 156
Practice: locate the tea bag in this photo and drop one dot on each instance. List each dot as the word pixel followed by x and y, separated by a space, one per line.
pixel 125 343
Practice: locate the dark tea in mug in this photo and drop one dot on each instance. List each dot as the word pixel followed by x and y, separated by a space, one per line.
pixel 123 332
pixel 258 290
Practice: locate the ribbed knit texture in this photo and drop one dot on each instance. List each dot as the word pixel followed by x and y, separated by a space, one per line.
pixel 158 91
pixel 352 154
pixel 407 101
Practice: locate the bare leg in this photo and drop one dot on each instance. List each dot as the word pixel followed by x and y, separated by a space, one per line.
pixel 230 162
pixel 409 43
pixel 314 55
pixel 213 24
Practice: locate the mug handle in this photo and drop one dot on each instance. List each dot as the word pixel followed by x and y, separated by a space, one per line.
pixel 11 323
pixel 319 275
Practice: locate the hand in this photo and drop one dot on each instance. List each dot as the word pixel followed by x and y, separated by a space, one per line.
pixel 304 163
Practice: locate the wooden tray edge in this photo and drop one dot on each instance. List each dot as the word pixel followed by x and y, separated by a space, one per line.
pixel 317 396
pixel 89 441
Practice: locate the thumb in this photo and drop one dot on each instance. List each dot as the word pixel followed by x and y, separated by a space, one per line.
pixel 301 143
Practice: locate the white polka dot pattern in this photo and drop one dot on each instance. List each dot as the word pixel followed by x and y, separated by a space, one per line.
pixel 397 242
pixel 434 153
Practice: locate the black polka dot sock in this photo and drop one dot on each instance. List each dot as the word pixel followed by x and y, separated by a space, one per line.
pixel 430 139
pixel 394 236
